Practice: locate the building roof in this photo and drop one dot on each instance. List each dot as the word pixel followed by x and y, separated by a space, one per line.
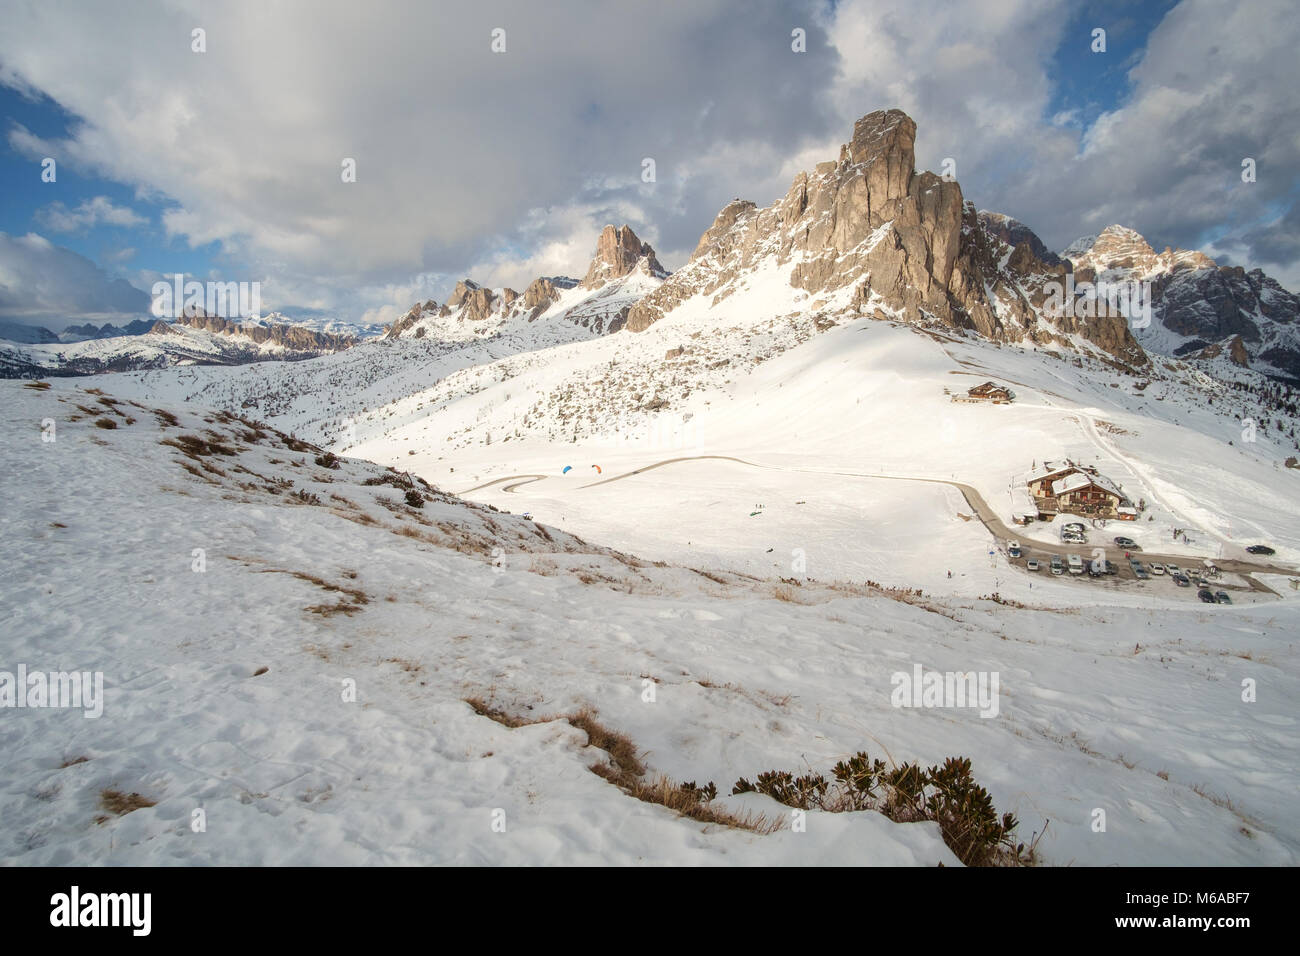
pixel 988 387
pixel 1079 480
pixel 1022 503
pixel 1050 468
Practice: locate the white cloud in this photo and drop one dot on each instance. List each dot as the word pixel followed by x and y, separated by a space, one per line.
pixel 45 284
pixel 57 217
pixel 454 144
pixel 505 166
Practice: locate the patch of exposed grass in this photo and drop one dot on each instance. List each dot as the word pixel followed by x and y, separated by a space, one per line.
pixel 626 771
pixel 619 746
pixel 193 446
pixel 329 610
pixel 105 423
pixel 119 803
pixel 688 800
pixel 355 598
pixel 505 718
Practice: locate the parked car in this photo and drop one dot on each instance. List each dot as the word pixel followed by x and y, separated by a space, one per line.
pixel 1013 548
pixel 1173 569
pixel 1031 564
pixel 1127 543
pixel 1157 567
pixel 1057 566
pixel 1139 572
pixel 1260 549
pixel 1074 526
pixel 1181 581
pixel 1076 564
pixel 1096 567
pixel 1206 596
pixel 1222 597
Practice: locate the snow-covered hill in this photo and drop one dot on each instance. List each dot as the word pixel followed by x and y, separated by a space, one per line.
pixel 333 707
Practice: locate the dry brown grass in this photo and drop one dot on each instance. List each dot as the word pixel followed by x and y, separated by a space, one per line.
pixel 664 792
pixel 622 751
pixel 355 595
pixel 120 803
pixel 37 385
pixel 626 771
pixel 105 423
pixel 192 446
pixel 72 762
pixel 485 709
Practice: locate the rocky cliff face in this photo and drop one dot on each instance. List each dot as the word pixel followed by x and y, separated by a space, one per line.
pixel 288 336
pixel 623 270
pixel 1013 232
pixel 476 302
pixel 1211 310
pixel 618 253
pixel 905 243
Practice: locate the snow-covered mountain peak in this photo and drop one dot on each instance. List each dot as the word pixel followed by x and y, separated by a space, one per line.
pixel 618 253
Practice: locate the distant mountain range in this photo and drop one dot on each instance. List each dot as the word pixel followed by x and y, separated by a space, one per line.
pixel 195 339
pixel 860 235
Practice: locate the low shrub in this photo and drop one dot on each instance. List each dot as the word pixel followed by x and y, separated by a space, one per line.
pixel 946 794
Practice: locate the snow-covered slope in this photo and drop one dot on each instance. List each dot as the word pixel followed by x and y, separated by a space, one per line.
pixel 344 587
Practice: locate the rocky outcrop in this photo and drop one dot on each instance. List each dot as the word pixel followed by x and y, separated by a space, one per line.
pixel 540 295
pixel 410 319
pixel 1218 310
pixel 292 337
pixel 1014 232
pixel 618 252
pixel 905 243
pixel 1119 247
pixel 474 301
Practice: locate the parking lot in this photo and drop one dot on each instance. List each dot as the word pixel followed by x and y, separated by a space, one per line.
pixel 1128 570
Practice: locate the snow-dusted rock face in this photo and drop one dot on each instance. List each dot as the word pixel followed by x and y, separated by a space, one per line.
pixel 905 243
pixel 623 270
pixel 1121 248
pixel 293 337
pixel 618 253
pixel 1201 310
pixel 1013 232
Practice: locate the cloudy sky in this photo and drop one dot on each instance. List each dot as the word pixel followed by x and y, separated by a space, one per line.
pixel 503 165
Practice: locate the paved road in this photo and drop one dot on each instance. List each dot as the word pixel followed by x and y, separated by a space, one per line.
pixel 995 525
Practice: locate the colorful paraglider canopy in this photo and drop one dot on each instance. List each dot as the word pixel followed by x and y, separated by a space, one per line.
pixel 598 471
pixel 567 469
